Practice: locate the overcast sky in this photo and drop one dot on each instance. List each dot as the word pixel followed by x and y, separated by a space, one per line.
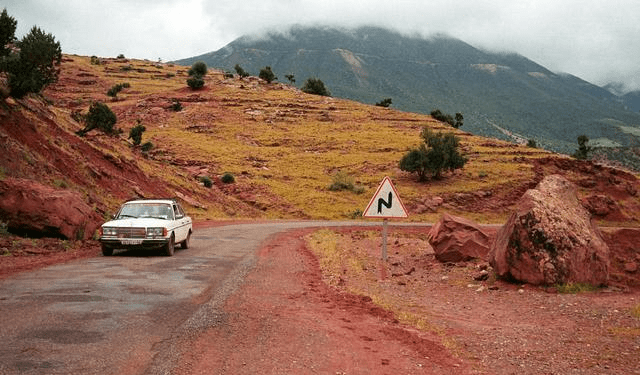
pixel 597 40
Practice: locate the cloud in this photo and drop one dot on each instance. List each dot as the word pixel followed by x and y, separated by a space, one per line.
pixel 595 40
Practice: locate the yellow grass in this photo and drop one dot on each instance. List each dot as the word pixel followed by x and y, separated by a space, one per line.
pixel 285 145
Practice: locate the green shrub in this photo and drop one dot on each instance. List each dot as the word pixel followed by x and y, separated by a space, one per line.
pixel 343 181
pixel 227 178
pixel 99 117
pixel 437 154
pixel 240 71
pixel 198 68
pixel 573 288
pixel 267 74
pixel 316 87
pixel 113 91
pixel 35 65
pixel 583 151
pixel 195 82
pixel 8 26
pixel 61 183
pixel 384 103
pixel 121 56
pixel 136 133
pixel 206 181
pixel 176 106
pixel 444 117
pixel 95 60
pixel 291 78
pixel 532 143
pixel 146 147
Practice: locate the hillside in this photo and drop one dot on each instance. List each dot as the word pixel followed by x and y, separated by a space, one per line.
pixel 284 148
pixel 501 95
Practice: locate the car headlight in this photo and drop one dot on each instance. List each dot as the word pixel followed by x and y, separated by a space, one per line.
pixel 156 232
pixel 108 231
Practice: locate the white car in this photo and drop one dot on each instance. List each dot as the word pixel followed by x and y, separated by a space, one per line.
pixel 147 224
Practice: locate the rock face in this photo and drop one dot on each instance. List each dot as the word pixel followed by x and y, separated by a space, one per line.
pixel 551 239
pixel 455 239
pixel 41 211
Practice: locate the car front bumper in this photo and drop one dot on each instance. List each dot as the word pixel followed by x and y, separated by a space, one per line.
pixel 134 243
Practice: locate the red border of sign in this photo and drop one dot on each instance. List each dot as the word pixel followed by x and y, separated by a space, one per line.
pixel 374 198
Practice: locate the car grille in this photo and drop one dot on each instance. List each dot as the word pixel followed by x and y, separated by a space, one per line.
pixel 131 232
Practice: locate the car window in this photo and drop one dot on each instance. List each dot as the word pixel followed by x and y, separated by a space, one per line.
pixel 146 210
pixel 179 214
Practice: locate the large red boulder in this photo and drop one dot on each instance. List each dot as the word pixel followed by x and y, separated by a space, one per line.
pixel 551 239
pixel 456 239
pixel 28 207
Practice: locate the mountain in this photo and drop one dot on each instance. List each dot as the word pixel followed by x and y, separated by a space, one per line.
pixel 632 101
pixel 501 95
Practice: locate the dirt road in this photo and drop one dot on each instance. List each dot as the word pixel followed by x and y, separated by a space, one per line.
pixel 126 314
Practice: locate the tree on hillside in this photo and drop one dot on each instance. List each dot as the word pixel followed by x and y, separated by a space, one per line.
pixel 196 75
pixel 8 26
pixel 99 117
pixel 199 68
pixel 267 74
pixel 315 86
pixel 456 122
pixel 290 78
pixel 438 153
pixel 384 103
pixel 459 120
pixel 135 133
pixel 34 64
pixel 583 150
pixel 240 71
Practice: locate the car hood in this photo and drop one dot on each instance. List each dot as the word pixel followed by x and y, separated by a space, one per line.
pixel 137 223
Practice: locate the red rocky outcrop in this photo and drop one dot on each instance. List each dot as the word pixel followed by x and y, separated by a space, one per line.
pixel 455 239
pixel 551 239
pixel 37 210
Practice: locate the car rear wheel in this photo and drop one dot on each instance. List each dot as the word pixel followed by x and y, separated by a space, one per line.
pixel 106 250
pixel 185 244
pixel 169 248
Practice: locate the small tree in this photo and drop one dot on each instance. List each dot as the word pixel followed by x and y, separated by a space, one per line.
pixel 384 103
pixel 316 87
pixel 8 26
pixel 532 143
pixel 199 68
pixel 136 133
pixel 196 75
pixel 195 82
pixel 267 74
pixel 439 153
pixel 99 117
pixel 583 150
pixel 35 65
pixel 290 78
pixel 240 71
pixel 459 120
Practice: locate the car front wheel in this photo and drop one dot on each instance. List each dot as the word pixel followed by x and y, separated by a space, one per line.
pixel 106 250
pixel 170 246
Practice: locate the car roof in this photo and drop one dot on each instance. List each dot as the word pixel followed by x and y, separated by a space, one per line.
pixel 163 201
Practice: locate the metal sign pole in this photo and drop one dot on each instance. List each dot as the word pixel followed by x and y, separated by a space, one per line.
pixel 384 239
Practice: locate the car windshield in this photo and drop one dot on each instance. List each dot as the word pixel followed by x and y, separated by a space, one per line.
pixel 145 210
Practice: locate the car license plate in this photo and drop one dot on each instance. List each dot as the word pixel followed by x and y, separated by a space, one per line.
pixel 130 242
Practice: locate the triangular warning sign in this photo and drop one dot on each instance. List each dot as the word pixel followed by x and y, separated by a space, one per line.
pixel 385 202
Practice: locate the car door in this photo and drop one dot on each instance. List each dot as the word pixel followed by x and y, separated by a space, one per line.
pixel 182 229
